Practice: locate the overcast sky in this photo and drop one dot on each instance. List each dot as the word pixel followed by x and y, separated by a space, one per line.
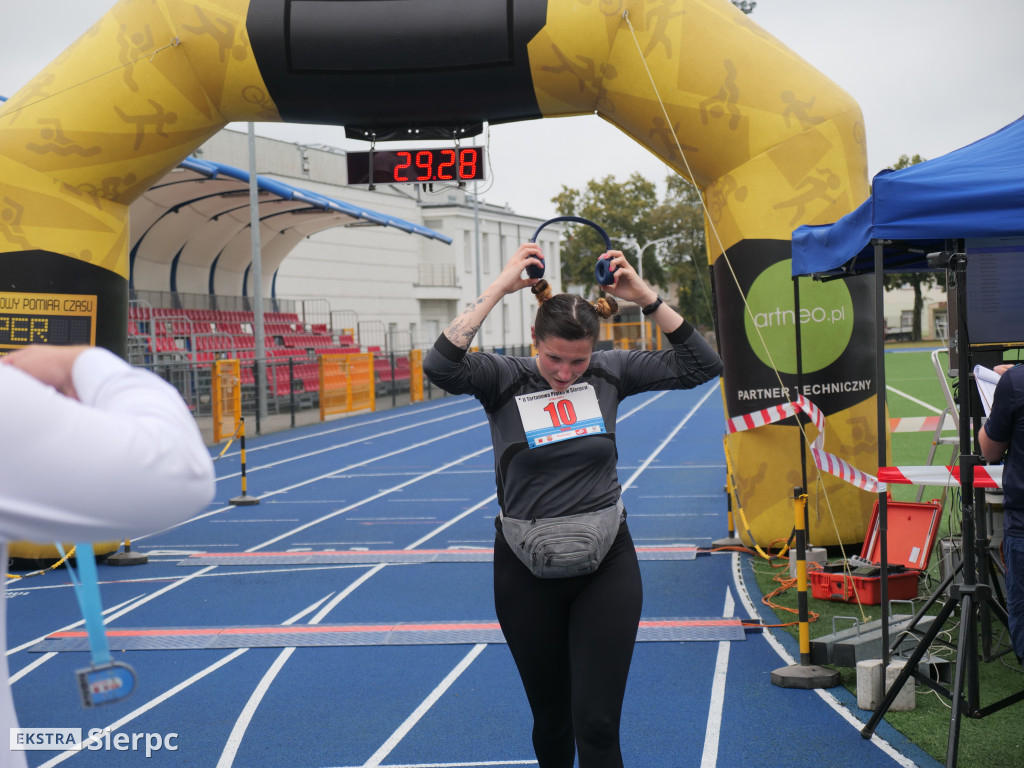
pixel 930 76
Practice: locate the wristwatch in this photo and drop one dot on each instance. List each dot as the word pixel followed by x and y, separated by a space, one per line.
pixel 651 308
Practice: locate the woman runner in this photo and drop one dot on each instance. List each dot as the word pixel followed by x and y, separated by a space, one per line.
pixel 571 636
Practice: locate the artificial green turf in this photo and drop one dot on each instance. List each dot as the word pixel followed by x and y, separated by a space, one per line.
pixel 995 741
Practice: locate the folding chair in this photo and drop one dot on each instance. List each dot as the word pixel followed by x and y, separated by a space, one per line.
pixel 949 420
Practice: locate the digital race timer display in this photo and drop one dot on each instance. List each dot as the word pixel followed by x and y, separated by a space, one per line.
pixel 416 166
pixel 46 318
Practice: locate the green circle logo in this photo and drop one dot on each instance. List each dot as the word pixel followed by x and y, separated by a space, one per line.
pixel 826 320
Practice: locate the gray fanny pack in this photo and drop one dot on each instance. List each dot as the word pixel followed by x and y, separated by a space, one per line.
pixel 559 547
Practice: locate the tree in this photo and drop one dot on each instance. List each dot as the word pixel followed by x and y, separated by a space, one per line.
pixel 623 210
pixel 685 259
pixel 919 281
pixel 631 210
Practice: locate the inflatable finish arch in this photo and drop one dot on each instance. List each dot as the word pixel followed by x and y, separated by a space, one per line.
pixel 770 141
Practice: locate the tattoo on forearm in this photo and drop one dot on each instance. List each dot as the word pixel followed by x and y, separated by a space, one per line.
pixel 460 330
pixel 463 328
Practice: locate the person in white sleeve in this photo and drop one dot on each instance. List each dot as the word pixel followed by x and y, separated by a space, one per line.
pixel 92 449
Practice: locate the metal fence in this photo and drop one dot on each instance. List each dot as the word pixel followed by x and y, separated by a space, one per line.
pixel 292 388
pixel 293 384
pixel 179 300
pixel 438 275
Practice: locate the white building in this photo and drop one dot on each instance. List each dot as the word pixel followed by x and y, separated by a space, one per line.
pixel 899 313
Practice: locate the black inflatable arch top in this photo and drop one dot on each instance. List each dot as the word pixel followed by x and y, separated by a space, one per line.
pixel 324 62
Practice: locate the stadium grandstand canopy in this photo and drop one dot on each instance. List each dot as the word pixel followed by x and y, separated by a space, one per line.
pixel 193 224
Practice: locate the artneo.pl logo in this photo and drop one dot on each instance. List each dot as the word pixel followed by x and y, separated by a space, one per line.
pixel 783 317
pixel 70 739
pixel 826 320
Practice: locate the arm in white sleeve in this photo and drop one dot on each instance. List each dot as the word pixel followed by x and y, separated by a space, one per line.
pixel 126 458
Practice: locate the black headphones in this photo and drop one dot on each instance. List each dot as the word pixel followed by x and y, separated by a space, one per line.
pixel 603 273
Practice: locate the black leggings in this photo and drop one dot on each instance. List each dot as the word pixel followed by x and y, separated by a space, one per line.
pixel 572 640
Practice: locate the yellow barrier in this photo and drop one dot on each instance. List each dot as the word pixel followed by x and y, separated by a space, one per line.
pixel 362 389
pixel 245 500
pixel 346 384
pixel 227 398
pixel 627 335
pixel 416 376
pixel 47 553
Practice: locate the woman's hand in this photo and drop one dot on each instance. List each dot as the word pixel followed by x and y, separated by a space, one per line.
pixel 627 284
pixel 511 278
pixel 463 328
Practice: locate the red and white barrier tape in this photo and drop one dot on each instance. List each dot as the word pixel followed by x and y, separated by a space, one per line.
pixel 776 413
pixel 984 477
pixel 921 424
pixel 823 460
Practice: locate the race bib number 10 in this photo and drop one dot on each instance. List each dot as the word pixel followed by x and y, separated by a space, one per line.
pixel 550 417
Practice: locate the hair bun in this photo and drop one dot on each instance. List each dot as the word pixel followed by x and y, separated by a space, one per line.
pixel 542 291
pixel 606 307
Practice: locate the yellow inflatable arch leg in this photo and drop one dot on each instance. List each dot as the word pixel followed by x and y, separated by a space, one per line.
pixel 141 89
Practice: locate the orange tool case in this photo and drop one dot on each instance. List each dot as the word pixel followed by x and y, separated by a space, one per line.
pixel 912 529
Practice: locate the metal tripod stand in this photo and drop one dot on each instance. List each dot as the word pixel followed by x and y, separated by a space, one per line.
pixel 973 596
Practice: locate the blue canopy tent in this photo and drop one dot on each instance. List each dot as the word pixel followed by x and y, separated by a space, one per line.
pixel 974 192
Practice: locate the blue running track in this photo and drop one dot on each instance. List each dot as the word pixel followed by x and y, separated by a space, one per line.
pixel 304 662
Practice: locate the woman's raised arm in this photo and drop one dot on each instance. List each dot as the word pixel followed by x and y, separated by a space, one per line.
pixel 463 328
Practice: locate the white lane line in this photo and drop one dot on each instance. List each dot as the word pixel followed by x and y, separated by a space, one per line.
pixel 368 499
pixel 357 441
pixel 640 406
pixel 323 476
pixel 471 510
pixel 78 623
pixel 828 698
pixel 154 702
pixel 259 520
pixel 472 764
pixel 922 403
pixel 234 741
pixel 350 425
pixel 30 667
pixel 227 756
pixel 668 438
pixel 713 731
pixel 357 475
pixel 387 455
pixel 159 592
pixel 117 613
pixel 221 575
pixel 424 707
pixel 237 734
pixel 323 612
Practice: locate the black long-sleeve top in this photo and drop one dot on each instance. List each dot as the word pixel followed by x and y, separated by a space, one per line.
pixel 574 475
